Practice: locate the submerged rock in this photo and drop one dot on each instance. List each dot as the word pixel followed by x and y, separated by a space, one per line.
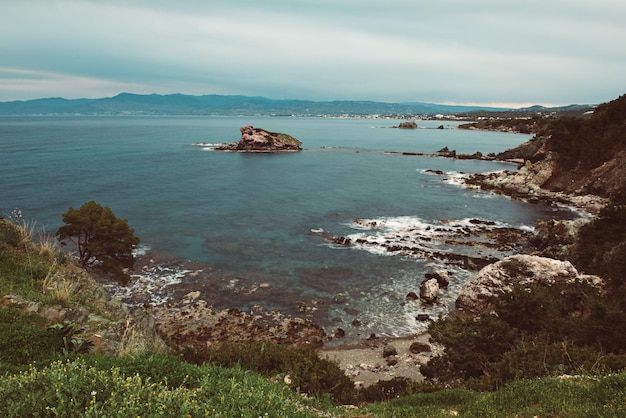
pixel 259 140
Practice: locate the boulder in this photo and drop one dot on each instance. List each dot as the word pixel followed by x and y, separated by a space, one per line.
pixel 442 277
pixel 389 350
pixel 259 140
pixel 429 290
pixel 417 347
pixel 480 292
pixel 408 125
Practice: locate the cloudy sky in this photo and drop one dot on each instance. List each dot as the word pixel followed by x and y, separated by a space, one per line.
pixel 445 51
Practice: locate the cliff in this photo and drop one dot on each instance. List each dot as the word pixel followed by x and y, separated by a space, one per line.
pixel 579 155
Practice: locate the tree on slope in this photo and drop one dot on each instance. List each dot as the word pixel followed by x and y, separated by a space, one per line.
pixel 103 241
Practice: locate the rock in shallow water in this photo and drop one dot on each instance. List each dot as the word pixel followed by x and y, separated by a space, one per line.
pixel 429 290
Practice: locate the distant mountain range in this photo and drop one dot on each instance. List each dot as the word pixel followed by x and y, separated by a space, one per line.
pixel 213 104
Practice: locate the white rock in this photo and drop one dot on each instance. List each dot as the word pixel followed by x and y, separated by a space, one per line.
pixel 429 290
pixel 480 292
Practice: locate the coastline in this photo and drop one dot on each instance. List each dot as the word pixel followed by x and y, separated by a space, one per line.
pixel 363 359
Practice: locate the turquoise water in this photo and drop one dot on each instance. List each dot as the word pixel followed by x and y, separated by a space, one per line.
pixel 253 217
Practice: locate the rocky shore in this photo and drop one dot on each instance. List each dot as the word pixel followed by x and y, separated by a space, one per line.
pixel 526 183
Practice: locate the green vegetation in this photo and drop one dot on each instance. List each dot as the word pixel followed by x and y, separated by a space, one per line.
pixel 102 239
pixel 601 247
pixel 303 368
pixel 288 139
pixel 534 331
pixel 73 388
pixel 25 338
pixel 587 143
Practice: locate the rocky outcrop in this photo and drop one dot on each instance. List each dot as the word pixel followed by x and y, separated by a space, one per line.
pixel 446 153
pixel 555 238
pixel 530 182
pixel 442 277
pixel 193 323
pixel 526 182
pixel 259 140
pixel 480 292
pixel 429 290
pixel 407 125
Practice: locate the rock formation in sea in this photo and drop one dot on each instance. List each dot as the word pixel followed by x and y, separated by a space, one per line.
pixel 407 125
pixel 480 292
pixel 259 140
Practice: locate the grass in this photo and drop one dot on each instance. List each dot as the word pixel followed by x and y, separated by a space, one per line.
pixel 74 388
pixel 581 396
pixel 25 265
pixel 24 338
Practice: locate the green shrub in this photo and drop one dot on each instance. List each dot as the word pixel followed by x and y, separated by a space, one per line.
pixel 25 339
pixel 601 246
pixel 384 390
pixel 553 312
pixel 555 397
pixel 443 403
pixel 534 331
pixel 471 343
pixel 75 389
pixel 308 372
pixel 169 370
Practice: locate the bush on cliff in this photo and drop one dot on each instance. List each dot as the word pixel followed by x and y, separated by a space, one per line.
pixel 534 331
pixel 601 245
pixel 102 239
pixel 305 369
pixel 587 143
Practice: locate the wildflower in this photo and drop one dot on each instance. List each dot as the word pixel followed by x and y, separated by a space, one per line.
pixel 94 393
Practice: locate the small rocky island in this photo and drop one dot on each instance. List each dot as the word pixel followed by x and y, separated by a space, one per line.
pixel 259 140
pixel 407 125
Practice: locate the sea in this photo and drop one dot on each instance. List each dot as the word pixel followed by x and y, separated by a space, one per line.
pixel 245 230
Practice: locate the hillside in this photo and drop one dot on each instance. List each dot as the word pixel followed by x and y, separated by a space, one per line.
pixel 212 104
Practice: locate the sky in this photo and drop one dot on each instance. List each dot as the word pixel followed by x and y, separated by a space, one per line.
pixel 487 52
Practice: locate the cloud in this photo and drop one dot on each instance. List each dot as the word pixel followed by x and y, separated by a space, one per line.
pixel 451 50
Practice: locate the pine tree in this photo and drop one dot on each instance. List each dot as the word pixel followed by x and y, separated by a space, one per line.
pixel 103 241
